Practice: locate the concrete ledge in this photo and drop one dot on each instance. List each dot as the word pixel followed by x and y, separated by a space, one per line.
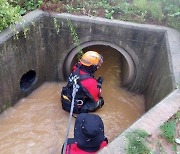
pixel 152 120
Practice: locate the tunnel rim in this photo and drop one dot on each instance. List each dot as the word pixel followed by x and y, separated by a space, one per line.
pixel 125 54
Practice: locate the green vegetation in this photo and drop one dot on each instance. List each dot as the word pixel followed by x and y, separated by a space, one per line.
pixel 177 116
pixel 75 37
pixel 137 142
pixel 11 11
pixel 26 5
pixel 8 14
pixel 162 12
pixel 56 26
pixel 168 129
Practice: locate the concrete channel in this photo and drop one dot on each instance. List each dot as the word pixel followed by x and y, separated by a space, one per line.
pixel 150 61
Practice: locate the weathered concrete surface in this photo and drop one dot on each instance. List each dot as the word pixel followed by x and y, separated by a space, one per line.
pixel 44 51
pixel 150 122
pixel 140 43
pixel 147 46
pixel 18 56
pixel 173 39
pixel 154 51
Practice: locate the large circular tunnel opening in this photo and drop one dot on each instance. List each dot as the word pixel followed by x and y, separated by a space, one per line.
pixel 109 52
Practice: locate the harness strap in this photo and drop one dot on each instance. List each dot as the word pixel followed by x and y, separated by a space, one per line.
pixel 81 76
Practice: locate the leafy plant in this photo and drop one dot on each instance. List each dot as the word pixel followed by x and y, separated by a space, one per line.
pixel 56 25
pixel 168 130
pixel 137 142
pixel 32 4
pixel 109 14
pixel 26 5
pixel 75 38
pixel 8 14
pixel 69 8
pixel 155 10
pixel 177 116
pixel 163 12
pixel 142 5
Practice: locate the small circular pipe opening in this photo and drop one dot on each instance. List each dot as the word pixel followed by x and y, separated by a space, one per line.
pixel 27 80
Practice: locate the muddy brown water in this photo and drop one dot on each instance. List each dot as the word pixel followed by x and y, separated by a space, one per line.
pixel 37 123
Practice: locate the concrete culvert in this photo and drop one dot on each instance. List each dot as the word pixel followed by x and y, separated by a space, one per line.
pixel 147 63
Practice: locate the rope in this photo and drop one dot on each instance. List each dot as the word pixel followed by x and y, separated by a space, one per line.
pixel 75 89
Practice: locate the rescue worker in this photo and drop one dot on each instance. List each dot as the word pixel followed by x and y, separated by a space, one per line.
pixel 88 135
pixel 88 97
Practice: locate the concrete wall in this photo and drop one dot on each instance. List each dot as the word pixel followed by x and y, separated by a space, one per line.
pixel 160 78
pixel 147 47
pixel 18 56
pixel 44 51
pixel 139 43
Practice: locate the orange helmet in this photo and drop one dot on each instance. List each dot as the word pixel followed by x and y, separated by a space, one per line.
pixel 91 58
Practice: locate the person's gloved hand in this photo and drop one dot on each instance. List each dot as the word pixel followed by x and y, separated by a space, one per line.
pixel 99 82
pixel 101 102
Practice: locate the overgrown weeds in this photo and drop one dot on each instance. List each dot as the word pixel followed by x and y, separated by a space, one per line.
pixel 26 5
pixel 168 130
pixel 8 14
pixel 136 142
pixel 75 37
pixel 162 12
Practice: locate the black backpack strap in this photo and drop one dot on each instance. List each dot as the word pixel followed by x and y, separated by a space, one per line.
pixel 81 76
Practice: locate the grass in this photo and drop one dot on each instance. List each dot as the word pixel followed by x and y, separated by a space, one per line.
pixel 168 130
pixel 136 142
pixel 139 142
pixel 163 12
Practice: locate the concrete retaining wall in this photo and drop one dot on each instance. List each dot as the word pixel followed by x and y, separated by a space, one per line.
pixel 44 51
pixel 18 56
pixel 160 78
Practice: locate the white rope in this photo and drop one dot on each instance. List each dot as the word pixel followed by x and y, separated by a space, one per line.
pixel 75 89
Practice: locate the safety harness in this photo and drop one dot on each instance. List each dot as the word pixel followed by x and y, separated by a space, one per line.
pixel 66 95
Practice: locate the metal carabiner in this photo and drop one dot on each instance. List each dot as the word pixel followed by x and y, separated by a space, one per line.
pixel 75 79
pixel 81 102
